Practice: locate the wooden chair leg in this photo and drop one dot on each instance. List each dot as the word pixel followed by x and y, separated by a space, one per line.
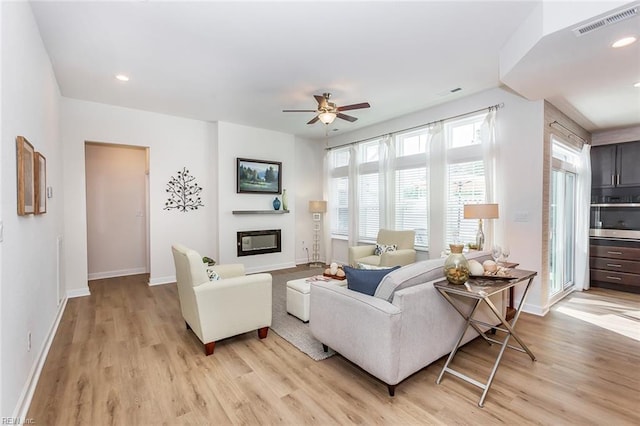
pixel 209 347
pixel 262 332
pixel 392 390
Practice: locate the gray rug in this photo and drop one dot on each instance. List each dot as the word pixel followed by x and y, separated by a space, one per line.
pixel 289 327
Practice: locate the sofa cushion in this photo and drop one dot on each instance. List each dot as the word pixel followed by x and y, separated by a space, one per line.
pixel 365 280
pixel 413 274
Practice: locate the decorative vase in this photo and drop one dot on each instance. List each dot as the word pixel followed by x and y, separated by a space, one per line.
pixel 276 204
pixel 456 266
pixel 285 201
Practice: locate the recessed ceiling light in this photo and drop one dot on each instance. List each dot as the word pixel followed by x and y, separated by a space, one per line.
pixel 637 84
pixel 122 77
pixel 625 41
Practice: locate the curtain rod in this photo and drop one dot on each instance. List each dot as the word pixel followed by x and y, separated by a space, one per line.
pixel 497 106
pixel 571 133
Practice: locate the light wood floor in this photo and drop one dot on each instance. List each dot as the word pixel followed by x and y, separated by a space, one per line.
pixel 123 356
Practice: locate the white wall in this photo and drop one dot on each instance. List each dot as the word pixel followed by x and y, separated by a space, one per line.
pixel 309 174
pixel 173 143
pixel 520 165
pixel 28 288
pixel 248 142
pixel 116 210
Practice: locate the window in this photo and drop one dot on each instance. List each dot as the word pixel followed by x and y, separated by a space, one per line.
pixel 339 191
pixel 421 183
pixel 411 185
pixel 465 185
pixel 465 179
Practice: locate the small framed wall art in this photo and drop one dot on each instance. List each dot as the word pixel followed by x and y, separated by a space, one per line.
pixel 40 167
pixel 25 156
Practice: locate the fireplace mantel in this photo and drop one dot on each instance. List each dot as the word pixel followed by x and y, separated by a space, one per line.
pixel 259 211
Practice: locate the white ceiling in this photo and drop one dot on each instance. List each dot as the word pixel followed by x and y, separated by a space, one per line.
pixel 244 62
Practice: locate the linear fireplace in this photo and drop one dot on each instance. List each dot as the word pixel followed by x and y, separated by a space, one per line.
pixel 259 242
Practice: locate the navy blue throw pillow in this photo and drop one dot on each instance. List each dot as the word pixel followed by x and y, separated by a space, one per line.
pixel 365 280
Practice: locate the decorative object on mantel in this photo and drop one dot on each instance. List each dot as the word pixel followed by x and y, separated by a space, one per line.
pixel 316 208
pixel 184 192
pixel 456 266
pixel 276 204
pixel 285 200
pixel 480 211
pixel 25 157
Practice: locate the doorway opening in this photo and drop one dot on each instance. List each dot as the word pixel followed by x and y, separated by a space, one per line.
pixel 117 194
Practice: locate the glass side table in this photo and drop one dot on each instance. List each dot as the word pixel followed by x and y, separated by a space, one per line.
pixel 480 290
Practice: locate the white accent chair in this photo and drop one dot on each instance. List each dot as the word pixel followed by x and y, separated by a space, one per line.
pixel 403 255
pixel 214 310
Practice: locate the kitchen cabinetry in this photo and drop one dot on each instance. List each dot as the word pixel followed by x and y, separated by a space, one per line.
pixel 615 166
pixel 615 264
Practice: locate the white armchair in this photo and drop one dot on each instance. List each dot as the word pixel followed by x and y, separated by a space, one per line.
pixel 404 253
pixel 214 310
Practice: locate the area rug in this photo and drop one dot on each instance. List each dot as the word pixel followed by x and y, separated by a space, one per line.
pixel 289 327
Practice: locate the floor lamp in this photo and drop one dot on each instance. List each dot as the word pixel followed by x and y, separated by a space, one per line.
pixel 480 211
pixel 316 208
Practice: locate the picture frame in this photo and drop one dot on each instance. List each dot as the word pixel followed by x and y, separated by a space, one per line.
pixel 40 183
pixel 258 176
pixel 25 162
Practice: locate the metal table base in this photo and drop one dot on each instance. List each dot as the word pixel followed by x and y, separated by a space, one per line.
pixel 482 293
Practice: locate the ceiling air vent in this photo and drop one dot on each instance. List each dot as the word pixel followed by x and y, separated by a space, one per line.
pixel 608 20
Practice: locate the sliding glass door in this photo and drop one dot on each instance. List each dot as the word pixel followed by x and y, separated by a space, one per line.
pixel 562 221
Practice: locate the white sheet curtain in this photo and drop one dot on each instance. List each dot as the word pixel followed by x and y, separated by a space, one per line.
pixel 583 206
pixel 327 241
pixel 489 154
pixel 386 181
pixel 354 220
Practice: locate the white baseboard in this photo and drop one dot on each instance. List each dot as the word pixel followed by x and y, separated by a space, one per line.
pixel 258 269
pixel 79 292
pixel 119 273
pixel 162 280
pixel 24 402
pixel 535 309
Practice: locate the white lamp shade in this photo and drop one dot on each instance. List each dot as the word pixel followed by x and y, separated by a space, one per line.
pixel 481 211
pixel 327 117
pixel 317 206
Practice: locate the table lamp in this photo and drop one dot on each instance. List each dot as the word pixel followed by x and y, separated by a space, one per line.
pixel 316 208
pixel 480 211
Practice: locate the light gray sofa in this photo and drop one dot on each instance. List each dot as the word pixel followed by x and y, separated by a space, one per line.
pixel 405 326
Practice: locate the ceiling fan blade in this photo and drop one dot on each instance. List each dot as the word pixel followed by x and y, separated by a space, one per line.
pixel 354 106
pixel 313 120
pixel 298 110
pixel 346 117
pixel 322 101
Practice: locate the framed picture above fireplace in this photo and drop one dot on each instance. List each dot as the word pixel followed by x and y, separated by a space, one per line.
pixel 258 176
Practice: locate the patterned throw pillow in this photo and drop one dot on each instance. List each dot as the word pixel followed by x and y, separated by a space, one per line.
pixel 382 248
pixel 213 275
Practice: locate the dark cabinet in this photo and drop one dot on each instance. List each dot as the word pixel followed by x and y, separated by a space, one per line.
pixel 603 166
pixel 615 264
pixel 628 164
pixel 615 166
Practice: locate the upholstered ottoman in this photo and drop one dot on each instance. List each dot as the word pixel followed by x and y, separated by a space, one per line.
pixel 298 296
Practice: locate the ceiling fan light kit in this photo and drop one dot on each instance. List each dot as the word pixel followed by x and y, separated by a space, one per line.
pixel 328 111
pixel 327 117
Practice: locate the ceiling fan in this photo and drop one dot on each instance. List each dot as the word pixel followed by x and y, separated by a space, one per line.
pixel 328 111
